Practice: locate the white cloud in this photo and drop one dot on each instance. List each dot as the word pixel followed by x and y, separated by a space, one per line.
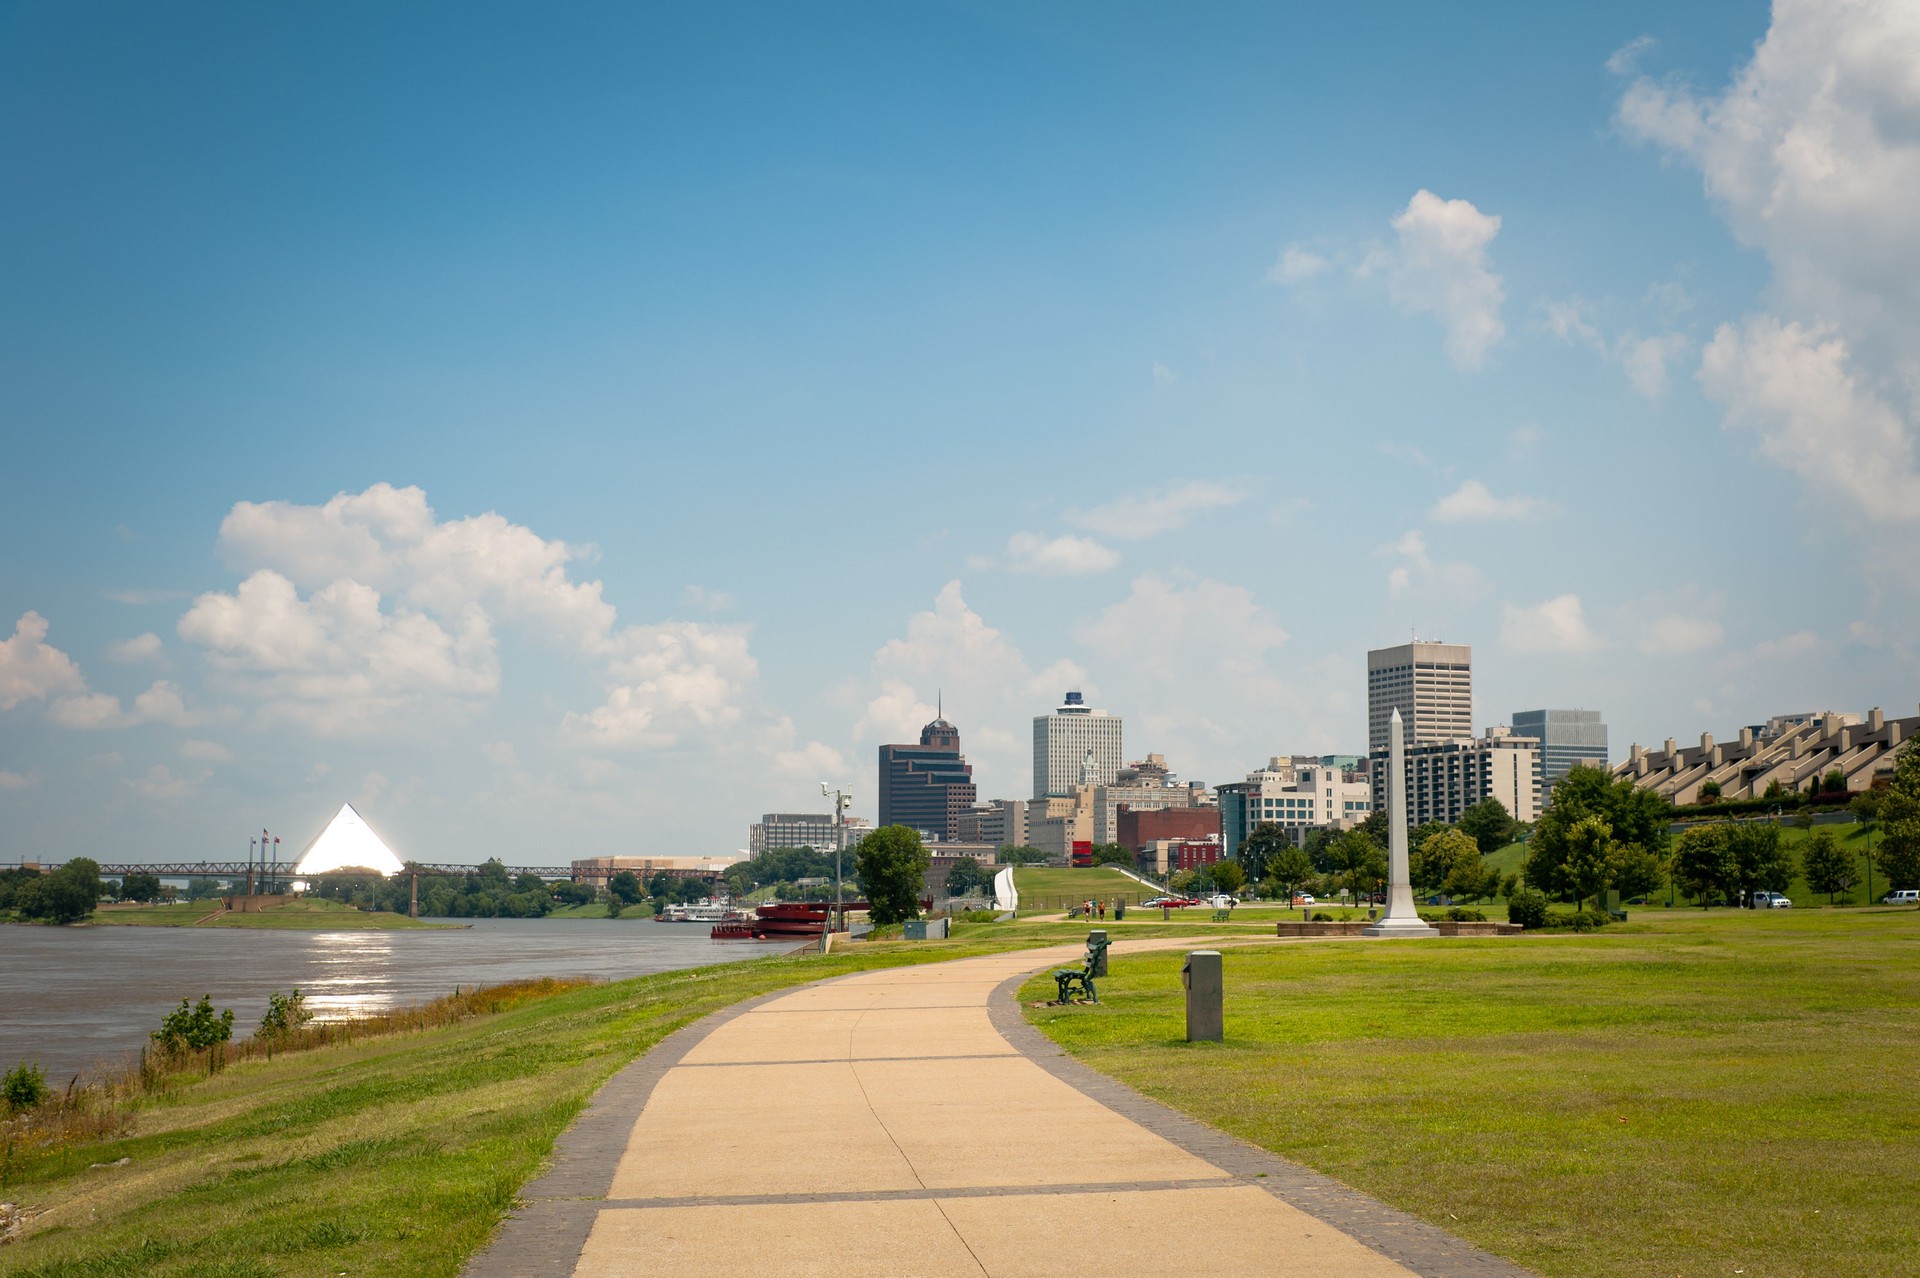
pixel 1142 515
pixel 1163 375
pixel 1162 631
pixel 1625 59
pixel 1522 440
pixel 139 648
pixel 161 785
pixel 1795 388
pixel 1296 264
pixel 1418 571
pixel 1553 625
pixel 1472 501
pixel 30 669
pixel 140 598
pixel 1800 643
pixel 1813 155
pixel 1440 268
pixel 1061 556
pixel 1676 636
pixel 1645 360
pixel 17 780
pixel 707 600
pixel 160 703
pixel 1571 320
pixel 205 751
pixel 671 680
pixel 501 754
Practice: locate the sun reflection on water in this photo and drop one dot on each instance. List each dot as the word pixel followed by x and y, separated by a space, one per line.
pixel 355 975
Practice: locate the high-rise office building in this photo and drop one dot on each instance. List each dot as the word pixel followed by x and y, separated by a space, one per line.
pixel 803 830
pixel 1567 739
pixel 927 786
pixel 1445 778
pixel 1075 745
pixel 1430 684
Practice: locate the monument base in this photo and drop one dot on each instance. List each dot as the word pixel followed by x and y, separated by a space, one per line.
pixel 1415 926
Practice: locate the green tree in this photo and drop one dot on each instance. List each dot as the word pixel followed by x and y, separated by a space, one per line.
pixel 1635 818
pixel 140 887
pixel 1899 820
pixel 195 1027
pixel 624 887
pixel 285 1014
pixel 1022 855
pixel 1113 854
pixel 1432 861
pixel 1489 825
pixel 65 896
pixel 1639 873
pixel 1760 859
pixel 1229 877
pixel 969 878
pixel 11 881
pixel 1709 792
pixel 492 872
pixel 1702 862
pixel 1361 861
pixel 892 865
pixel 1829 867
pixel 23 1088
pixel 1287 869
pixel 569 893
pixel 1257 851
pixel 1593 857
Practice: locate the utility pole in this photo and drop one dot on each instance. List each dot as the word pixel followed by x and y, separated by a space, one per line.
pixel 841 796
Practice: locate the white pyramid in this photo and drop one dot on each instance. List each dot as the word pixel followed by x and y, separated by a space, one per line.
pixel 348 843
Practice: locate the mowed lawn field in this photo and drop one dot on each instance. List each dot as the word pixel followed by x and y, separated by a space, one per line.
pixel 1051 888
pixel 1685 1094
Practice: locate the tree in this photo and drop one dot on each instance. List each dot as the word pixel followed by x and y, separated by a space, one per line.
pixel 1760 860
pixel 11 881
pixel 1489 825
pixel 1702 863
pixel 23 1088
pixel 1022 855
pixel 1899 818
pixel 1288 869
pixel 1835 782
pixel 625 887
pixel 1709 792
pixel 1829 867
pixel 1228 877
pixel 570 893
pixel 892 865
pixel 140 887
pixel 1593 857
pixel 1639 873
pixel 1360 859
pixel 1433 860
pixel 1636 819
pixel 1113 854
pixel 65 896
pixel 1257 851
pixel 196 1027
pixel 969 878
pixel 285 1014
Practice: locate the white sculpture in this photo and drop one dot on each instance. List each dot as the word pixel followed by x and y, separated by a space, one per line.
pixel 1401 918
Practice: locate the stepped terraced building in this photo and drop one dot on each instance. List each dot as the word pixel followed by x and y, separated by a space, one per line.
pixel 1794 750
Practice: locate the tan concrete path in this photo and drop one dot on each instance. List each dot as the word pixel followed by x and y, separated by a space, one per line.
pixel 881 1125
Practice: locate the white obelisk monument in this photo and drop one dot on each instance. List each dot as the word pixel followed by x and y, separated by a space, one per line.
pixel 1401 919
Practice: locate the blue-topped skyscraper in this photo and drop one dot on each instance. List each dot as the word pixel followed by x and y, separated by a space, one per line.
pixel 1567 738
pixel 927 786
pixel 1074 745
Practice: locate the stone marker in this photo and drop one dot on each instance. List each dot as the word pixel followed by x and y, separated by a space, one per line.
pixel 1206 1015
pixel 1401 919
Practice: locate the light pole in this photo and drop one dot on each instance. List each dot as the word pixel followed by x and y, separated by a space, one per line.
pixel 841 796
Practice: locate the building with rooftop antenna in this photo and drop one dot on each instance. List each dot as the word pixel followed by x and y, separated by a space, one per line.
pixel 928 786
pixel 1075 745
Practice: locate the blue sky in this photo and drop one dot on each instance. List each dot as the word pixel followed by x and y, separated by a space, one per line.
pixel 589 431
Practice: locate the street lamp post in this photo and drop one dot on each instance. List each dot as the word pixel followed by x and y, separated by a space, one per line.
pixel 841 796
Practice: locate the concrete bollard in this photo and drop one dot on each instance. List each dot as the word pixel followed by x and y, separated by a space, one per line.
pixel 1206 996
pixel 1097 944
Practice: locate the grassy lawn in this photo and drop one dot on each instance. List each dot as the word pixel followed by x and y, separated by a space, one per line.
pixel 1044 887
pixel 598 910
pixel 1686 1093
pixel 310 914
pixel 394 1155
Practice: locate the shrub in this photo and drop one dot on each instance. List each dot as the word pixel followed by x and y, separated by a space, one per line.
pixel 1322 917
pixel 24 1087
pixel 1461 914
pixel 1577 921
pixel 1528 908
pixel 196 1027
pixel 979 916
pixel 285 1013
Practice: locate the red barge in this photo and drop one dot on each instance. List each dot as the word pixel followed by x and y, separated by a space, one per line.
pixel 790 918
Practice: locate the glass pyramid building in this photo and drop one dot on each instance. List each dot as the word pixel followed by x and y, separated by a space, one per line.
pixel 348 843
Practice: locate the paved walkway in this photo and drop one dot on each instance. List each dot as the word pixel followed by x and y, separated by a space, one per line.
pixel 891 1124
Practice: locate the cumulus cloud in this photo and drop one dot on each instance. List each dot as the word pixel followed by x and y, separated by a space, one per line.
pixel 161 703
pixel 1061 556
pixel 671 679
pixel 1164 375
pixel 1418 572
pixel 1644 360
pixel 1551 626
pixel 1794 387
pixel 1141 515
pixel 1800 643
pixel 1676 636
pixel 1296 264
pixel 1625 59
pixel 205 751
pixel 30 668
pixel 139 648
pixel 161 785
pixel 17 780
pixel 1813 155
pixel 1439 267
pixel 1166 631
pixel 1473 502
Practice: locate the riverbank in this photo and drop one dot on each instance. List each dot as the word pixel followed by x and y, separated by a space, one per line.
pixel 393 1155
pixel 1682 1093
pixel 306 914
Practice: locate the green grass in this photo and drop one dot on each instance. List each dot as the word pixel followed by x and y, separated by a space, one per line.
pixel 395 1155
pixel 1685 1093
pixel 311 914
pixel 1052 888
pixel 598 910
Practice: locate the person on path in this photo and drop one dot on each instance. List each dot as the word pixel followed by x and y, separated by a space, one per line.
pixel 1103 911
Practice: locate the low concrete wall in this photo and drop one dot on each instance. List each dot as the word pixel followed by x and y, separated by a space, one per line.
pixel 1478 929
pixel 256 903
pixel 1359 928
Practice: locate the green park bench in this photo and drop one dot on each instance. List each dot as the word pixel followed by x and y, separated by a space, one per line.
pixel 1069 980
pixel 1223 916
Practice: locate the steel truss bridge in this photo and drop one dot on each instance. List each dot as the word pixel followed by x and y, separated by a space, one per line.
pixel 284 870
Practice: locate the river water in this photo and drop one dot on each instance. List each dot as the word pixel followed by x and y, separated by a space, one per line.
pixel 75 998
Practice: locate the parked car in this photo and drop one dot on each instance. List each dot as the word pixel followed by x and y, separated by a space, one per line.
pixel 1303 900
pixel 1168 902
pixel 1771 901
pixel 1221 901
pixel 1905 896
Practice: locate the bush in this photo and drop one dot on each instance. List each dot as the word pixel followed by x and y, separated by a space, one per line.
pixel 1528 908
pixel 194 1027
pixel 1322 917
pixel 1577 921
pixel 1461 914
pixel 285 1014
pixel 23 1088
pixel 979 916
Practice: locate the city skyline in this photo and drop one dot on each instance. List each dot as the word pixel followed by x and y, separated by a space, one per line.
pixel 583 441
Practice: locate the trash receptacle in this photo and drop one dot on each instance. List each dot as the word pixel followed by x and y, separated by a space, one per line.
pixel 1206 1017
pixel 1119 910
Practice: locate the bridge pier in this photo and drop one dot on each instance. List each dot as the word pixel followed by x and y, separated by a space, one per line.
pixel 413 895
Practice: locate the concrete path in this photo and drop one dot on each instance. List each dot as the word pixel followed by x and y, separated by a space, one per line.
pixel 884 1124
